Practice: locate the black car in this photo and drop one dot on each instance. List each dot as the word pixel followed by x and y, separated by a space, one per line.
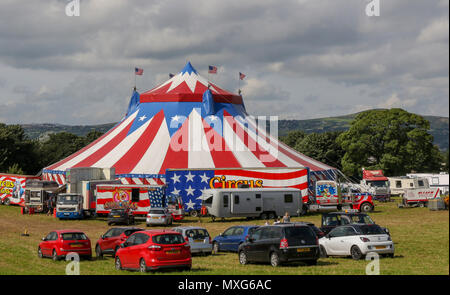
pixel 334 219
pixel 117 216
pixel 279 244
pixel 319 233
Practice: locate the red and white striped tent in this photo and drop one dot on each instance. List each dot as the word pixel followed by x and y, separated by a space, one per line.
pixel 184 124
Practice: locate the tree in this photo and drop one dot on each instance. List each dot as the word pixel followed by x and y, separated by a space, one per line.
pixel 17 152
pixel 394 141
pixel 322 147
pixel 293 137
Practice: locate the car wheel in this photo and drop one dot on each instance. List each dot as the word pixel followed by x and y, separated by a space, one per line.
pixel 55 255
pixel 118 264
pixel 215 247
pixel 274 259
pixel 263 216
pixel 243 258
pixel 142 265
pixel 323 252
pixel 7 202
pixel 193 213
pixel 98 252
pixel 40 253
pixel 271 215
pixel 421 204
pixel 356 252
pixel 366 207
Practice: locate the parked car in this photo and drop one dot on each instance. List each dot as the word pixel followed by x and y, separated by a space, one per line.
pixel 109 242
pixel 356 240
pixel 319 233
pixel 232 237
pixel 159 216
pixel 57 244
pixel 121 216
pixel 279 244
pixel 333 219
pixel 197 237
pixel 154 249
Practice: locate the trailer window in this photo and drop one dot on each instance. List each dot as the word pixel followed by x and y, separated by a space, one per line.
pixel 421 183
pixel 398 184
pixel 236 199
pixel 258 196
pixel 288 198
pixel 225 200
pixel 135 195
pixel 435 180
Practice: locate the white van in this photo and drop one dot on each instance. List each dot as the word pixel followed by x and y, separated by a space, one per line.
pixel 265 203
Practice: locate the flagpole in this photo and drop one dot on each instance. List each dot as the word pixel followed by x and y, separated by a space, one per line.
pixel 135 79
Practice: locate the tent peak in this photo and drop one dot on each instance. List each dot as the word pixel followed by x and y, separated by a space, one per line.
pixel 188 68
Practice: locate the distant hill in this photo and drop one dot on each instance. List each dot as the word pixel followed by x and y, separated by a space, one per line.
pixel 439 127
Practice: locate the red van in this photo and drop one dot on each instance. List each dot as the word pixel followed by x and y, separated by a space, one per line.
pixel 57 244
pixel 154 249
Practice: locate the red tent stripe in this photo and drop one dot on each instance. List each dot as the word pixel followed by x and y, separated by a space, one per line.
pixel 104 150
pixel 259 152
pixel 177 154
pixel 135 153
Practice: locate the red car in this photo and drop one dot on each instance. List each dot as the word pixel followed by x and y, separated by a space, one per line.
pixel 110 242
pixel 154 249
pixel 57 244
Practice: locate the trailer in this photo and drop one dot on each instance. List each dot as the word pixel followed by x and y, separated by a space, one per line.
pixel 399 185
pixel 139 198
pixel 419 197
pixel 440 180
pixel 12 188
pixel 190 183
pixel 37 194
pixel 265 203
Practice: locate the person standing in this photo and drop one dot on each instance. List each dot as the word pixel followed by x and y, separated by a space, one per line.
pixel 49 206
pixel 286 218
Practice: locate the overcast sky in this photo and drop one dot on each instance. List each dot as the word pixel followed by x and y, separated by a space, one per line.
pixel 303 59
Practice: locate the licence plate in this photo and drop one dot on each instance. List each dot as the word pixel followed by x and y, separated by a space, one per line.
pixel 155 217
pixel 116 216
pixel 380 247
pixel 173 252
pixel 198 241
pixel 77 246
pixel 303 249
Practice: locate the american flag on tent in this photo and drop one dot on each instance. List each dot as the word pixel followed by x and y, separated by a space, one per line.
pixel 155 197
pixel 138 71
pixel 212 70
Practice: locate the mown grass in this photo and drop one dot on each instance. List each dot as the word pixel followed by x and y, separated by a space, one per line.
pixel 421 239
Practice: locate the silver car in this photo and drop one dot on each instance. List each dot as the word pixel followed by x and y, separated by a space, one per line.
pixel 159 216
pixel 197 237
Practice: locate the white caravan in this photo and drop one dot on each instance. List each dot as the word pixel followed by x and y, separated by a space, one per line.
pixel 435 180
pixel 265 203
pixel 399 185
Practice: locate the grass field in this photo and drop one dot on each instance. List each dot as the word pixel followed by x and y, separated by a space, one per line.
pixel 421 239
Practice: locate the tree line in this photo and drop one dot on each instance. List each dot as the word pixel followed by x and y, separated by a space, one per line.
pixel 394 141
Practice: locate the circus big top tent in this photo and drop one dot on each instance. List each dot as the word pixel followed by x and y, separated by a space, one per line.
pixel 183 123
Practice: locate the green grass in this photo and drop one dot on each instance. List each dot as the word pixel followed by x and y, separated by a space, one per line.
pixel 421 239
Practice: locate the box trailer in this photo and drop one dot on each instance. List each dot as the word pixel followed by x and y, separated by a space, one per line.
pixel 37 194
pixel 419 197
pixel 12 188
pixel 399 185
pixel 439 180
pixel 265 203
pixel 190 183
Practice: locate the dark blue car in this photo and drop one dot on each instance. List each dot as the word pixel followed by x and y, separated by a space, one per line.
pixel 232 237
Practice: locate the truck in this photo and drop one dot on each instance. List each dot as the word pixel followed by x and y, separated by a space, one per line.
pixel 37 194
pixel 69 206
pixel 399 185
pixel 375 183
pixel 139 198
pixel 332 195
pixel 12 188
pixel 264 203
pixel 190 183
pixel 418 197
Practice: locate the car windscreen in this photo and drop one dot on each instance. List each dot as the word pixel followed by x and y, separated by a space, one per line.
pixel 73 236
pixel 159 212
pixel 197 233
pixel 362 219
pixel 371 230
pixel 117 211
pixel 168 239
pixel 296 234
pixel 252 230
pixel 130 231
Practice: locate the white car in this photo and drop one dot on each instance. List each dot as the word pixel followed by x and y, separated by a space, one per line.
pixel 356 240
pixel 159 216
pixel 197 237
